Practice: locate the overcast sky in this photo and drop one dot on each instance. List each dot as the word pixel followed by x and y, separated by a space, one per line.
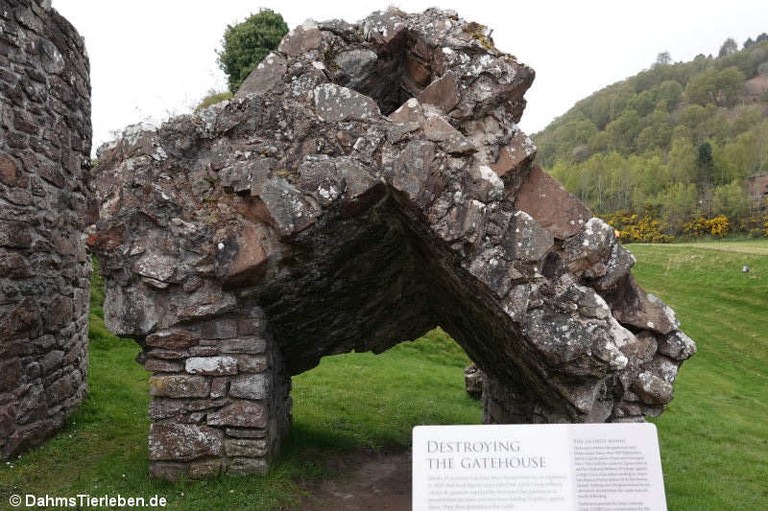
pixel 154 58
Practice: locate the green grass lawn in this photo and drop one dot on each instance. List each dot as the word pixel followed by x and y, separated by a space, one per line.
pixel 714 435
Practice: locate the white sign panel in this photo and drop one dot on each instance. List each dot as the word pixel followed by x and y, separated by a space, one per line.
pixel 542 467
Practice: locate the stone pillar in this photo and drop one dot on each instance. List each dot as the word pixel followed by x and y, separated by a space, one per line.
pixel 45 142
pixel 220 398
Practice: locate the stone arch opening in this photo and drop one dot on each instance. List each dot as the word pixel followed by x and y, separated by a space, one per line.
pixel 394 67
pixel 243 243
pixel 364 402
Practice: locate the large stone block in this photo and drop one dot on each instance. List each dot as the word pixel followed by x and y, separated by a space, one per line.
pixel 243 414
pixel 211 366
pixel 253 386
pixel 179 386
pixel 183 442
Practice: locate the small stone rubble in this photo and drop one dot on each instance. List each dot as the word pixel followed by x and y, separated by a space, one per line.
pixel 368 183
pixel 45 144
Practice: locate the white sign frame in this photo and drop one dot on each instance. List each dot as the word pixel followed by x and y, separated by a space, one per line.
pixel 538 467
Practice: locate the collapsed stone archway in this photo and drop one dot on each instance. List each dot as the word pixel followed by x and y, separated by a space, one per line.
pixel 243 243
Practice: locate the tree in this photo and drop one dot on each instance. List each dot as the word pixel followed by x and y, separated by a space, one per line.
pixel 705 167
pixel 682 157
pixel 729 47
pixel 712 86
pixel 701 88
pixel 247 43
pixel 730 84
pixel 624 130
pixel 663 59
pixel 670 91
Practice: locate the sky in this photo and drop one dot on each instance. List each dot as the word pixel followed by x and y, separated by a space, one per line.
pixel 151 59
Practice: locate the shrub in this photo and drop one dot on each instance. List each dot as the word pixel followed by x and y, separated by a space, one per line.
pixel 633 228
pixel 247 43
pixel 718 226
pixel 212 98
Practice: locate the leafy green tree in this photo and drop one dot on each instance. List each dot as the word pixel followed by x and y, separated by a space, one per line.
pixel 746 118
pixel 657 131
pixel 729 83
pixel 624 130
pixel 644 102
pixel 600 111
pixel 705 166
pixel 682 159
pixel 247 43
pixel 702 88
pixel 670 91
pixel 663 59
pixel 730 200
pixel 679 202
pixel 757 56
pixel 729 47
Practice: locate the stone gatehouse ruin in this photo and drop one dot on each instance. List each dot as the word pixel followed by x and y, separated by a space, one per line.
pixel 45 145
pixel 367 183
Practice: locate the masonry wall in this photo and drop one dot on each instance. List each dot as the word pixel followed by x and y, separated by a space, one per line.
pixel 220 397
pixel 45 139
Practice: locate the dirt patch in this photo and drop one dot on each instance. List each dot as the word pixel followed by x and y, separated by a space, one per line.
pixel 362 480
pixel 757 85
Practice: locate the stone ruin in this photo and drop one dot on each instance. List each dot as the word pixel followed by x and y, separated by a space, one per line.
pixel 45 145
pixel 368 182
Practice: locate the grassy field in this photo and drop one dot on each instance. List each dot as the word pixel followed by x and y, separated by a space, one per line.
pixel 714 435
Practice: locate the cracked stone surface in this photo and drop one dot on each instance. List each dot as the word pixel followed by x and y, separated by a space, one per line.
pixel 45 145
pixel 368 183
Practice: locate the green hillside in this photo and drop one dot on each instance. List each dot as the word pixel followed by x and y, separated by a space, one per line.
pixel 674 143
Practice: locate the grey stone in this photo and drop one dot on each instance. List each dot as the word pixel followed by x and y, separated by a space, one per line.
pixel 653 390
pixel 305 223
pixel 179 386
pixel 290 211
pixel 256 386
pixel 251 364
pixel 303 39
pixel 242 414
pixel 247 345
pixel 267 74
pixel 247 466
pixel 525 239
pixel 677 346
pixel 336 103
pixel 183 442
pixel 245 447
pixel 246 433
pixel 357 65
pixel 211 366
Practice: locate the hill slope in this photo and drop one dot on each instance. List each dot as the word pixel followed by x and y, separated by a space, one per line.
pixel 676 142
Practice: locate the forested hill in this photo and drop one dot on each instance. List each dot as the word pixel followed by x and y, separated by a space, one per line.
pixel 676 144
